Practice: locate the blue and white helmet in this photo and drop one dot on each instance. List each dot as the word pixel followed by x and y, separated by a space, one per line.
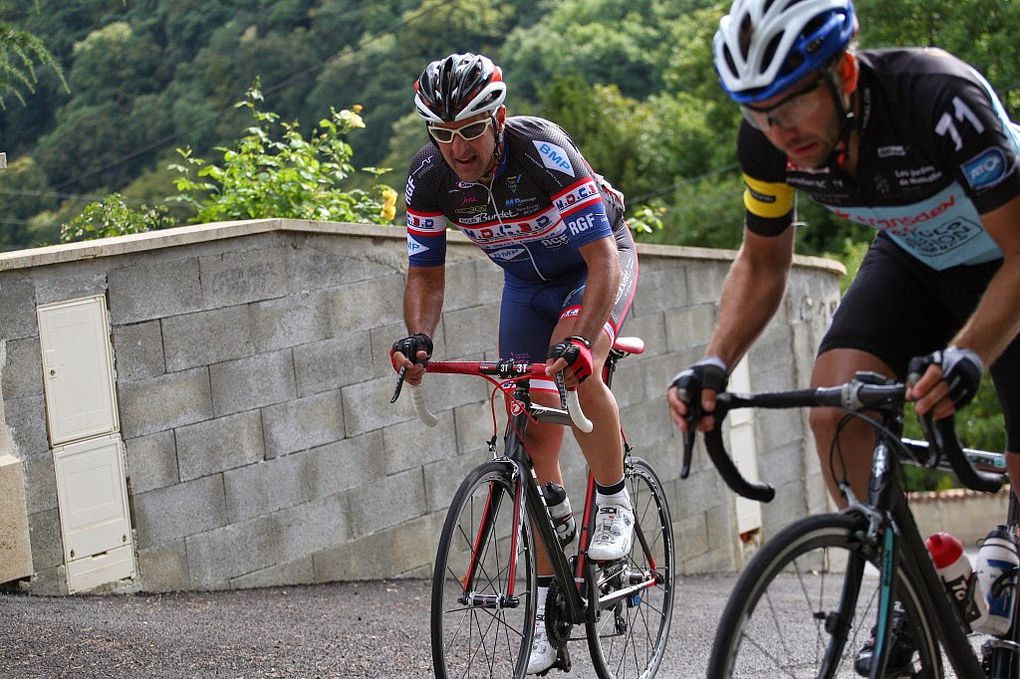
pixel 764 46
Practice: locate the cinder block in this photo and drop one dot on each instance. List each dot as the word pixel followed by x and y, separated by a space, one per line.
pixel 412 444
pixel 704 280
pixel 442 479
pixel 387 554
pixel 26 424
pixel 171 287
pixel 290 321
pixel 207 337
pixel 268 486
pixel 216 445
pixel 470 332
pixel 151 461
pixel 333 363
pixel 323 262
pixel 462 289
pixel 21 371
pixel 318 525
pixel 346 464
pixel 241 276
pixel 69 281
pixel 164 568
pixel 689 327
pixel 303 423
pixel 649 327
pixel 216 556
pixel 47 545
pixel 168 514
pixel 165 402
pixel 366 304
pixel 17 307
pixel 138 351
pixel 297 572
pixel 254 382
pixel 15 545
pixel 40 483
pixel 372 507
pixel 490 281
pixel 659 290
pixel 367 406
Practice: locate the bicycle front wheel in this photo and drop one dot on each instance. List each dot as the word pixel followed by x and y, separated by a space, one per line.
pixel 806 603
pixel 631 608
pixel 483 589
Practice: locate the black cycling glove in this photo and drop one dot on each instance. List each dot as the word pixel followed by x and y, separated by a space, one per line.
pixel 708 373
pixel 410 346
pixel 961 370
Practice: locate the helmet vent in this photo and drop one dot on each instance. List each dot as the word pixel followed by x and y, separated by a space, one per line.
pixel 770 52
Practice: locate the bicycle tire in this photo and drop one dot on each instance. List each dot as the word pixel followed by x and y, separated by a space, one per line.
pixel 627 637
pixel 790 636
pixel 485 636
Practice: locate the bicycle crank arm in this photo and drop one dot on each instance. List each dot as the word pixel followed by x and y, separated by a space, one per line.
pixel 626 593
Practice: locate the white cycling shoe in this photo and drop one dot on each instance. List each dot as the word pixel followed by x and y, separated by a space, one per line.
pixel 543 655
pixel 614 533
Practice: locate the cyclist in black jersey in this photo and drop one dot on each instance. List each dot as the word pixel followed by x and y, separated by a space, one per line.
pixel 520 189
pixel 913 142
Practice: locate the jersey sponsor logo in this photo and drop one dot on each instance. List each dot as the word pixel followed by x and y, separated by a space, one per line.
pixel 425 222
pixel 938 239
pixel 899 223
pixel 414 247
pixel 553 157
pixel 409 191
pixel 513 183
pixel 520 231
pixel 986 169
pixel 918 176
pixel 585 221
pixel 555 242
pixel 577 196
pixel 425 166
pixel 506 254
pixel 759 196
pixel 894 151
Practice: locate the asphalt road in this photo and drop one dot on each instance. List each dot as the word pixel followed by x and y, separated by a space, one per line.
pixel 351 630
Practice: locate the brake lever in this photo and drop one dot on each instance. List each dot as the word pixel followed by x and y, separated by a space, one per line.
pixel 693 415
pixel 400 385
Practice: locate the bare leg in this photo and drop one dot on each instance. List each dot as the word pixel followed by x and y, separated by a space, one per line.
pixel 857 441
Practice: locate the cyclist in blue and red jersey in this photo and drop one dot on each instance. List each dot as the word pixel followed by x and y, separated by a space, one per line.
pixel 520 189
pixel 913 142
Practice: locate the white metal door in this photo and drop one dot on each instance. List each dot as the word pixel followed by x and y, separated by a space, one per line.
pixel 92 497
pixel 77 367
pixel 744 450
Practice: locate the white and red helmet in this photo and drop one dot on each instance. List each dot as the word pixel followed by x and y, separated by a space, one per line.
pixel 458 87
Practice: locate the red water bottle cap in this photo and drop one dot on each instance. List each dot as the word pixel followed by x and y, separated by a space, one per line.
pixel 944 549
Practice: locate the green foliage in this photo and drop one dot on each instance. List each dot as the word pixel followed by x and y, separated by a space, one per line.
pixel 112 217
pixel 264 175
pixel 20 51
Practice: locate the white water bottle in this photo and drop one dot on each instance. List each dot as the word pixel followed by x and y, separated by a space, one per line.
pixel 996 570
pixel 961 584
pixel 559 508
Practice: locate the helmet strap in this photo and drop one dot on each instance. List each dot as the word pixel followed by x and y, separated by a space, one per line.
pixel 497 153
pixel 847 121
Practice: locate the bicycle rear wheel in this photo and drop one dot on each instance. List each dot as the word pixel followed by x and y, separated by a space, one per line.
pixel 632 606
pixel 480 626
pixel 806 603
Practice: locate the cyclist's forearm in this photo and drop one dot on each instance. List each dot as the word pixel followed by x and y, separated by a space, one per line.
pixel 600 290
pixel 423 299
pixel 751 295
pixel 996 321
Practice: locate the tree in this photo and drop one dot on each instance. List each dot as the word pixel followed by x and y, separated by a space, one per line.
pixel 20 52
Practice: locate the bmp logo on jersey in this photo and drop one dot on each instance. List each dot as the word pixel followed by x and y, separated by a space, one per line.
pixel 506 254
pixel 414 247
pixel 986 169
pixel 553 157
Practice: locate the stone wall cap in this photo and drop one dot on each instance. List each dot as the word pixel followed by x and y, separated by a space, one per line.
pixel 200 233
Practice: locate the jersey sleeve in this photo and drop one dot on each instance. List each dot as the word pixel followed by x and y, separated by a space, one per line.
pixel 573 187
pixel 972 136
pixel 426 223
pixel 768 199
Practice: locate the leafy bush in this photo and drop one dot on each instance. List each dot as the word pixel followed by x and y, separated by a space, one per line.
pixel 112 217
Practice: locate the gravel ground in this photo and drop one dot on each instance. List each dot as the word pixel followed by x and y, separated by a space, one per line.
pixel 351 630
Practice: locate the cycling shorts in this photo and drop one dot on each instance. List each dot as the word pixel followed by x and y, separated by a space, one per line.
pixel 530 310
pixel 898 308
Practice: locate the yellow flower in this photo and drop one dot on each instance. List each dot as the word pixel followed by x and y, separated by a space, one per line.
pixel 389 203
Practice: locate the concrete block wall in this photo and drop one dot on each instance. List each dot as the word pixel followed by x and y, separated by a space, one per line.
pixel 253 387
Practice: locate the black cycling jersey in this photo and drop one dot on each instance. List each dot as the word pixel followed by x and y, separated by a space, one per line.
pixel 936 151
pixel 545 202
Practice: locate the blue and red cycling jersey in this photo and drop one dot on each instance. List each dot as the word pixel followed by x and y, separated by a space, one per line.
pixel 545 202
